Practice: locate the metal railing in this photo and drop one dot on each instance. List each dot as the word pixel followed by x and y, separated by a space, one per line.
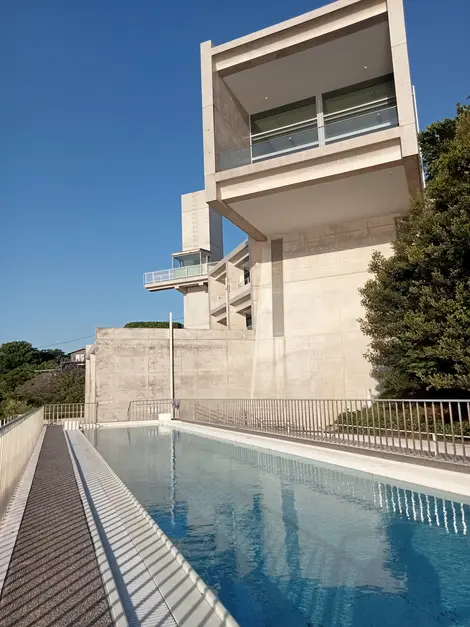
pixel 335 127
pixel 185 273
pixel 438 429
pixel 18 438
pixel 84 413
pixel 8 419
pixel 150 410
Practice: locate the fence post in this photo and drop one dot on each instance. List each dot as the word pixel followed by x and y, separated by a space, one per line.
pixel 172 379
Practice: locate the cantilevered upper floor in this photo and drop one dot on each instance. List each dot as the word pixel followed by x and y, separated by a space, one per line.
pixel 311 121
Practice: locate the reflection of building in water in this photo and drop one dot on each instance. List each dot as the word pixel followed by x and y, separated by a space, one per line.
pixel 360 490
pixel 303 535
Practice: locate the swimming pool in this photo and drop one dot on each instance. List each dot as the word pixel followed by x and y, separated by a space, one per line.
pixel 284 541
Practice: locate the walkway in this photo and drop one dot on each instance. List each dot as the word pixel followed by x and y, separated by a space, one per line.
pixel 53 577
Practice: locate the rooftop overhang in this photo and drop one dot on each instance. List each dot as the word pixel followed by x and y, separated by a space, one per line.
pixel 352 56
pixel 311 29
pixel 190 251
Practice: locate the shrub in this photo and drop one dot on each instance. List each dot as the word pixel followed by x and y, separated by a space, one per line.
pixel 397 417
pixel 152 325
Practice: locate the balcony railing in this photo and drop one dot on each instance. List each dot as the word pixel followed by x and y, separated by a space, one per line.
pixel 343 126
pixel 339 126
pixel 186 273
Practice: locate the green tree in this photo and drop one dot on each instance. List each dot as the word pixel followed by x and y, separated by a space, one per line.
pixel 16 354
pixel 23 368
pixel 417 305
pixel 53 387
pixel 13 407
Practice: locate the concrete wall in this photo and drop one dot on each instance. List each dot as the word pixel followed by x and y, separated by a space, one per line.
pixel 196 307
pixel 306 341
pixel 201 225
pixel 201 228
pixel 319 351
pixel 231 121
pixel 133 364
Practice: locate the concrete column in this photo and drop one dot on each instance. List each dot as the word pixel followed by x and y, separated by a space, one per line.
pixel 196 307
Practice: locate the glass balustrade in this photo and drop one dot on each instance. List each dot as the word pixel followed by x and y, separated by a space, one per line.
pixel 345 126
pixel 339 115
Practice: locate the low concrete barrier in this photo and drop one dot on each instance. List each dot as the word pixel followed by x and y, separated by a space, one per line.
pixel 17 441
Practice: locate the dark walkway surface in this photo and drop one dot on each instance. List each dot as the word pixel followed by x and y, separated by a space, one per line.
pixel 53 578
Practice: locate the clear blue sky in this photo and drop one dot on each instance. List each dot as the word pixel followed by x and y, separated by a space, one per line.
pixel 100 133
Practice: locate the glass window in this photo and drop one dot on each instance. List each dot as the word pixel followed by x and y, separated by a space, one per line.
pixel 205 257
pixel 294 113
pixel 360 94
pixel 191 259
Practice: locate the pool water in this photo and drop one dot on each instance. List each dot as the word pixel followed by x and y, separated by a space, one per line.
pixel 287 542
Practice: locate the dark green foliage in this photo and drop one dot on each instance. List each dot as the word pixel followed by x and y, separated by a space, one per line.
pixel 417 305
pixel 53 387
pixel 18 354
pixel 152 325
pixel 434 141
pixel 30 377
pixel 405 420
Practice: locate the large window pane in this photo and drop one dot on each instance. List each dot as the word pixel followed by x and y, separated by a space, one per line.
pixel 360 94
pixel 294 113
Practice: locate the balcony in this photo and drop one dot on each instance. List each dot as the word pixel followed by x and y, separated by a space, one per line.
pixel 241 294
pixel 177 278
pixel 311 123
pixel 346 124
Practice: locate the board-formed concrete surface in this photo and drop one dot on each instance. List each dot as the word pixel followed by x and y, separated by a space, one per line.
pixel 53 577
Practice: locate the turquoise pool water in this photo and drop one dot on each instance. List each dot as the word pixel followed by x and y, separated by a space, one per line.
pixel 287 542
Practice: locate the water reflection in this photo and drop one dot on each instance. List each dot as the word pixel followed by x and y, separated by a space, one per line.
pixel 285 542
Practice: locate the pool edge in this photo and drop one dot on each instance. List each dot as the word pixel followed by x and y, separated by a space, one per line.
pixel 200 591
pixel 425 476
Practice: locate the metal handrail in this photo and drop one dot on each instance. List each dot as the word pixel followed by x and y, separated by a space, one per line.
pixel 244 155
pixel 60 413
pixel 437 429
pixel 309 123
pixel 245 282
pixel 184 273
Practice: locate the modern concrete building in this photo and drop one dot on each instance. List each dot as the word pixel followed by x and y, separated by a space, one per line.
pixel 310 147
pixel 202 248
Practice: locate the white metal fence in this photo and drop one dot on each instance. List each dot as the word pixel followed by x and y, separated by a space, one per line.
pixel 8 419
pixel 18 438
pixel 438 429
pixel 185 273
pixel 84 413
pixel 150 410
